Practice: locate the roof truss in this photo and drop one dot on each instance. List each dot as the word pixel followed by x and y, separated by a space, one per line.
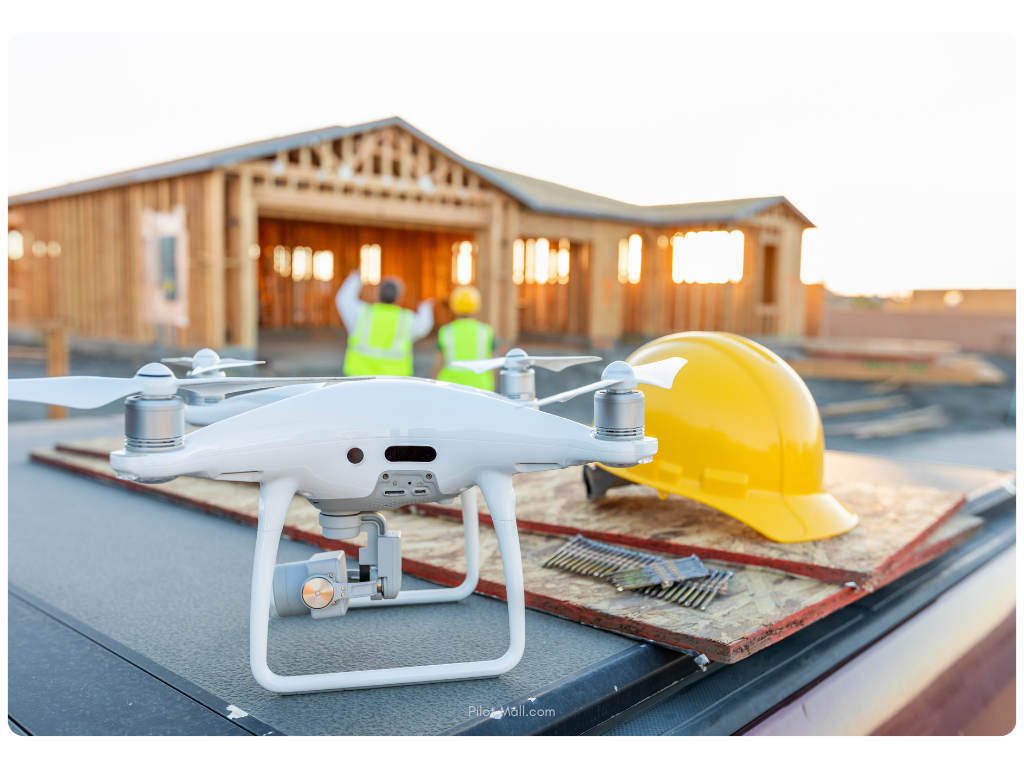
pixel 385 161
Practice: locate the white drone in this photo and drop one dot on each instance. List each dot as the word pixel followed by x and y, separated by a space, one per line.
pixel 353 449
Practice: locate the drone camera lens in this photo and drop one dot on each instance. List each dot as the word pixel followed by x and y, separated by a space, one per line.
pixel 355 455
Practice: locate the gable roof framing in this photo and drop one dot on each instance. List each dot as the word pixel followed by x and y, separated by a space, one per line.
pixel 537 195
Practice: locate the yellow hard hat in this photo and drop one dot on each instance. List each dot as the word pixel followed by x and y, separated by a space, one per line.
pixel 740 432
pixel 464 300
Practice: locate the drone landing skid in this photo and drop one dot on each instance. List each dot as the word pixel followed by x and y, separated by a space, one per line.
pixel 276 496
pixel 471 529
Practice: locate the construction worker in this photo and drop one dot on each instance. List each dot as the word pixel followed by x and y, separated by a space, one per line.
pixel 465 338
pixel 380 335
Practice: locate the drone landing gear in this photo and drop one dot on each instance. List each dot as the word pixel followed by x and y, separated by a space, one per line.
pixel 275 497
pixel 471 529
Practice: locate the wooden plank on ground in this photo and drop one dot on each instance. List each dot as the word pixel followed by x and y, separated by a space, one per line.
pixel 761 607
pixel 917 420
pixel 879 349
pixel 869 405
pixel 964 370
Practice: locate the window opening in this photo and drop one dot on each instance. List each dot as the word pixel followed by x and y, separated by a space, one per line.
pixel 369 264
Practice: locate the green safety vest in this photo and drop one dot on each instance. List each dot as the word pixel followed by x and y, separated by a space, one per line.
pixel 466 339
pixel 382 342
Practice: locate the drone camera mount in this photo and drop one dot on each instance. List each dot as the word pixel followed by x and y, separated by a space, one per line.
pixel 380 561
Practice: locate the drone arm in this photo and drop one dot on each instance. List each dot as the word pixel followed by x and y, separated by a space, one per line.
pixel 471 530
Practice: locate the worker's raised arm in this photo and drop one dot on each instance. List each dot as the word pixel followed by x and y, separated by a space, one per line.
pixel 423 320
pixel 348 302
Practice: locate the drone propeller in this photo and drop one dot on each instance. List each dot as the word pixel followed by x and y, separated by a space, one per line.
pixel 153 380
pixel 517 359
pixel 659 374
pixel 207 361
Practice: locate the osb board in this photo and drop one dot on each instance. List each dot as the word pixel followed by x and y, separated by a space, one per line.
pixel 894 521
pixel 761 607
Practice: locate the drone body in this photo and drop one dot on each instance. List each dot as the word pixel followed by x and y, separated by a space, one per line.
pixel 353 447
pixel 453 431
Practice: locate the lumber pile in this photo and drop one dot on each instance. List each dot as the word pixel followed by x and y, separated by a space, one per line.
pixel 894 361
pixel 917 420
pixel 870 405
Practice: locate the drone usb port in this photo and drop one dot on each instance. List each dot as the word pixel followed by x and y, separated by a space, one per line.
pixel 420 492
pixel 394 493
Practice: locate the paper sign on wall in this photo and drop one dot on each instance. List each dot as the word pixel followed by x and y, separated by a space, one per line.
pixel 165 267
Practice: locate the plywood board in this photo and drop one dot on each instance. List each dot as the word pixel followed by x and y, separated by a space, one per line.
pixel 894 521
pixel 762 606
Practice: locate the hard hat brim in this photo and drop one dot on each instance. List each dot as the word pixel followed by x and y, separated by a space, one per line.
pixel 784 519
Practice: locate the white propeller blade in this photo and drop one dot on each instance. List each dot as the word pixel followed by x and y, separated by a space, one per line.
pixel 244 384
pixel 569 395
pixel 519 360
pixel 479 366
pixel 659 374
pixel 72 391
pixel 153 379
pixel 561 363
pixel 225 363
pixel 206 360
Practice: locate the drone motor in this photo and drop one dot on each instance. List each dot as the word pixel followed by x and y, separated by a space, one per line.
pixel 619 414
pixel 154 424
pixel 518 383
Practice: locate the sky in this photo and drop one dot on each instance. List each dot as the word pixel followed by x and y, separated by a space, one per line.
pixel 900 147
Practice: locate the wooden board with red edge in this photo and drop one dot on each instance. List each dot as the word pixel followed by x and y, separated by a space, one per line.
pixel 895 520
pixel 763 604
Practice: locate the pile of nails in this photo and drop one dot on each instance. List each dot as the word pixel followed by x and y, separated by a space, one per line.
pixel 592 558
pixel 693 593
pixel 686 581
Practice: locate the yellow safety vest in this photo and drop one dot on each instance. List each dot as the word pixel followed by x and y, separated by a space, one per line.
pixel 382 342
pixel 466 339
